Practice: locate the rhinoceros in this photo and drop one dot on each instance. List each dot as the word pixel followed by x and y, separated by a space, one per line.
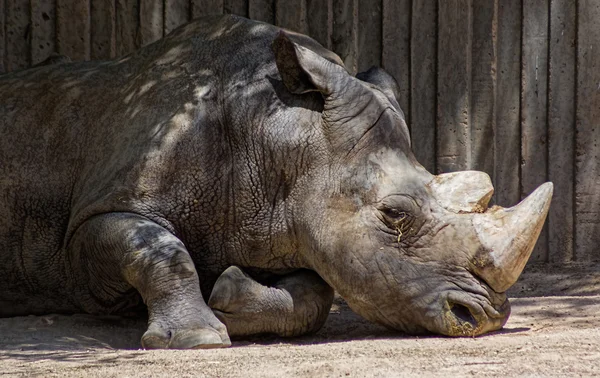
pixel 227 179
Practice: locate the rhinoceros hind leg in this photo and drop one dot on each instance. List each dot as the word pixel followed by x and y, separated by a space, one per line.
pixel 295 304
pixel 118 251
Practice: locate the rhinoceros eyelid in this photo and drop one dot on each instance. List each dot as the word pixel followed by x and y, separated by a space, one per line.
pixel 400 201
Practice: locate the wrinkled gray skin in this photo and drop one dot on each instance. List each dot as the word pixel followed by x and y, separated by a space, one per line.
pixel 225 176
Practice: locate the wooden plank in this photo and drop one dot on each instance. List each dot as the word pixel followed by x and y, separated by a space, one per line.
pixel 587 176
pixel 262 10
pixel 320 22
pixel 201 8
pixel 344 33
pixel 291 14
pixel 43 31
pixel 395 48
pixel 73 28
pixel 369 34
pixel 483 86
pixel 2 37
pixel 239 7
pixel 534 107
pixel 423 66
pixel 508 125
pixel 176 13
pixel 454 84
pixel 151 21
pixel 103 30
pixel 17 34
pixel 127 27
pixel 561 127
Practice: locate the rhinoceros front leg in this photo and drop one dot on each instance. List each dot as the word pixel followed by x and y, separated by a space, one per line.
pixel 122 249
pixel 294 304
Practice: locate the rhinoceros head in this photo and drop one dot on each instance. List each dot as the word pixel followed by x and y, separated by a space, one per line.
pixel 405 248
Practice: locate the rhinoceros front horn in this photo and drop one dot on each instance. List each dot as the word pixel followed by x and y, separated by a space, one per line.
pixel 508 236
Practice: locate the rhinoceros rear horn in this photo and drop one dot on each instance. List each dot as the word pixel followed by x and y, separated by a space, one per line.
pixel 302 70
pixel 508 236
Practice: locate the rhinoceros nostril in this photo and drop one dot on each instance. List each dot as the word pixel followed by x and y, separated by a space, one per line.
pixel 463 313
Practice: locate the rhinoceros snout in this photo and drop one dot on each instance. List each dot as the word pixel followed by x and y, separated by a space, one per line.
pixel 468 318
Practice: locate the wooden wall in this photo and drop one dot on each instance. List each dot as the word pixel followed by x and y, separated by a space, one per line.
pixel 510 87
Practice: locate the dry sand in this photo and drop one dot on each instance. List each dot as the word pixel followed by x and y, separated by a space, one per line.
pixel 554 331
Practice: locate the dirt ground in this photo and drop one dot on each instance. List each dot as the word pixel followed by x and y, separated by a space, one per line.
pixel 554 331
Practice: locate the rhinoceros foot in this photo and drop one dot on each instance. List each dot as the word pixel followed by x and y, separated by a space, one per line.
pixel 198 338
pixel 290 305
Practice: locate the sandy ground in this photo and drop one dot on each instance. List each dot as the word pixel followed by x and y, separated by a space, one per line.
pixel 554 331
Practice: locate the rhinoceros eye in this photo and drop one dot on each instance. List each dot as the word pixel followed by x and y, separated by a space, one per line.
pixel 400 221
pixel 394 214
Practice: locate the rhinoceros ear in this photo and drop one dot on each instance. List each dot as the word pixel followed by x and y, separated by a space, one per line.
pixel 384 81
pixel 303 70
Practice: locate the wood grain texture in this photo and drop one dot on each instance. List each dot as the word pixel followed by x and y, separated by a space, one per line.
pixel 561 128
pixel 151 21
pixel 396 44
pixel 43 29
pixel 587 176
pixel 128 37
pixel 176 13
pixel 454 85
pixel 2 36
pixel 320 20
pixel 201 8
pixel 534 107
pixel 239 7
pixel 344 38
pixel 483 86
pixel 291 14
pixel 73 28
pixel 103 30
pixel 423 81
pixel 508 101
pixel 369 34
pixel 18 34
pixel 262 10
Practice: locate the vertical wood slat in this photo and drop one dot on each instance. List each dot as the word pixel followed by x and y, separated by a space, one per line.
pixel 291 14
pixel 454 85
pixel 17 28
pixel 43 29
pixel 127 27
pixel 344 34
pixel 395 47
pixel 561 128
pixel 151 20
pixel 508 101
pixel 587 186
pixel 201 8
pixel 320 20
pixel 176 13
pixel 262 10
pixel 423 83
pixel 239 7
pixel 103 30
pixel 534 86
pixel 73 28
pixel 369 34
pixel 483 86
pixel 2 37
